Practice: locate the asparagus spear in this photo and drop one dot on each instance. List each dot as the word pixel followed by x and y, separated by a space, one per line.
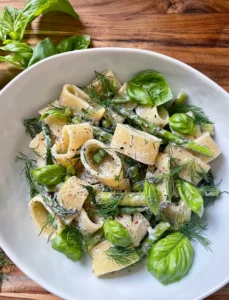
pixel 159 132
pixel 138 199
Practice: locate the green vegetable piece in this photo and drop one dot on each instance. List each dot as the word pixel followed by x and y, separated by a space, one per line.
pixel 149 87
pixel 133 173
pixel 181 98
pixel 70 242
pixel 43 50
pixel 190 195
pixel 171 258
pixel 152 196
pixel 207 127
pixel 106 123
pixel 62 113
pixel 49 175
pixel 77 42
pixel 99 156
pixel 116 233
pixel 71 170
pixel 182 123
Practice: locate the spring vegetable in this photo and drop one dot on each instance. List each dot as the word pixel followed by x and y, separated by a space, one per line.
pixel 124 199
pixel 149 87
pixel 99 156
pixel 49 175
pixel 170 259
pixel 190 195
pixel 152 196
pixel 154 235
pixel 133 173
pixel 180 99
pixel 106 123
pixel 116 233
pixel 207 127
pixel 182 123
pixel 70 242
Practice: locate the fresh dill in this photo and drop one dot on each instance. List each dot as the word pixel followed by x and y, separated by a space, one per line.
pixel 110 207
pixel 108 88
pixel 195 232
pixel 29 166
pixel 6 266
pixel 198 113
pixel 123 256
pixel 32 126
pixel 48 141
pixel 50 223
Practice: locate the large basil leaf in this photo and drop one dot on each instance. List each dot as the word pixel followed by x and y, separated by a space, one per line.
pixel 116 233
pixel 34 8
pixel 149 87
pixel 74 43
pixel 190 195
pixel 171 258
pixel 43 50
pixel 152 196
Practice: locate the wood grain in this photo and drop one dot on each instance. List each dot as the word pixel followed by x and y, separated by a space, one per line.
pixel 193 31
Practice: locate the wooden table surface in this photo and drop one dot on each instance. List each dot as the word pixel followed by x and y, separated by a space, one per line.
pixel 193 31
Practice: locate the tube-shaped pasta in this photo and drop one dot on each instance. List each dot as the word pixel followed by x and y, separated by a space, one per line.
pixel 109 171
pixel 40 214
pixel 206 140
pixel 191 173
pixel 74 136
pixel 137 144
pixel 74 98
pixel 111 77
pixel 39 147
pixel 157 114
pixel 102 264
pixel 86 225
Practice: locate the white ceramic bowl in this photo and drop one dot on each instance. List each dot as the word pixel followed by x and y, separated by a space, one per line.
pixel 41 84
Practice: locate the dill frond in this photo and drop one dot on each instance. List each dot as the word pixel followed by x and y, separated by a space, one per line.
pixel 197 111
pixel 123 256
pixel 108 89
pixel 29 166
pixel 110 207
pixel 195 232
pixel 32 126
pixel 50 222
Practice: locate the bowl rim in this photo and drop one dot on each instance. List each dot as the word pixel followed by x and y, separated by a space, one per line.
pixel 3 245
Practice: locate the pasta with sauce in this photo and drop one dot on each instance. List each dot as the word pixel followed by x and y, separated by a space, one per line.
pixel 121 171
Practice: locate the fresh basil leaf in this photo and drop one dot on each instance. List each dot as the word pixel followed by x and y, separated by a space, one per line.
pixel 77 42
pixel 149 87
pixel 116 233
pixel 10 23
pixel 182 123
pixel 49 175
pixel 171 258
pixel 152 196
pixel 15 60
pixel 190 195
pixel 34 8
pixel 43 50
pixel 23 50
pixel 63 113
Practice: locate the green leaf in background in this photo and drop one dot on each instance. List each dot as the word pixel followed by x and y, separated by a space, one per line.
pixel 22 50
pixel 10 23
pixel 74 43
pixel 171 258
pixel 43 50
pixel 190 195
pixel 49 175
pixel 152 195
pixel 15 60
pixel 149 87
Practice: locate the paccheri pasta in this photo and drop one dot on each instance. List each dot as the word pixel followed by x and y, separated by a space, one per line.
pixel 123 175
